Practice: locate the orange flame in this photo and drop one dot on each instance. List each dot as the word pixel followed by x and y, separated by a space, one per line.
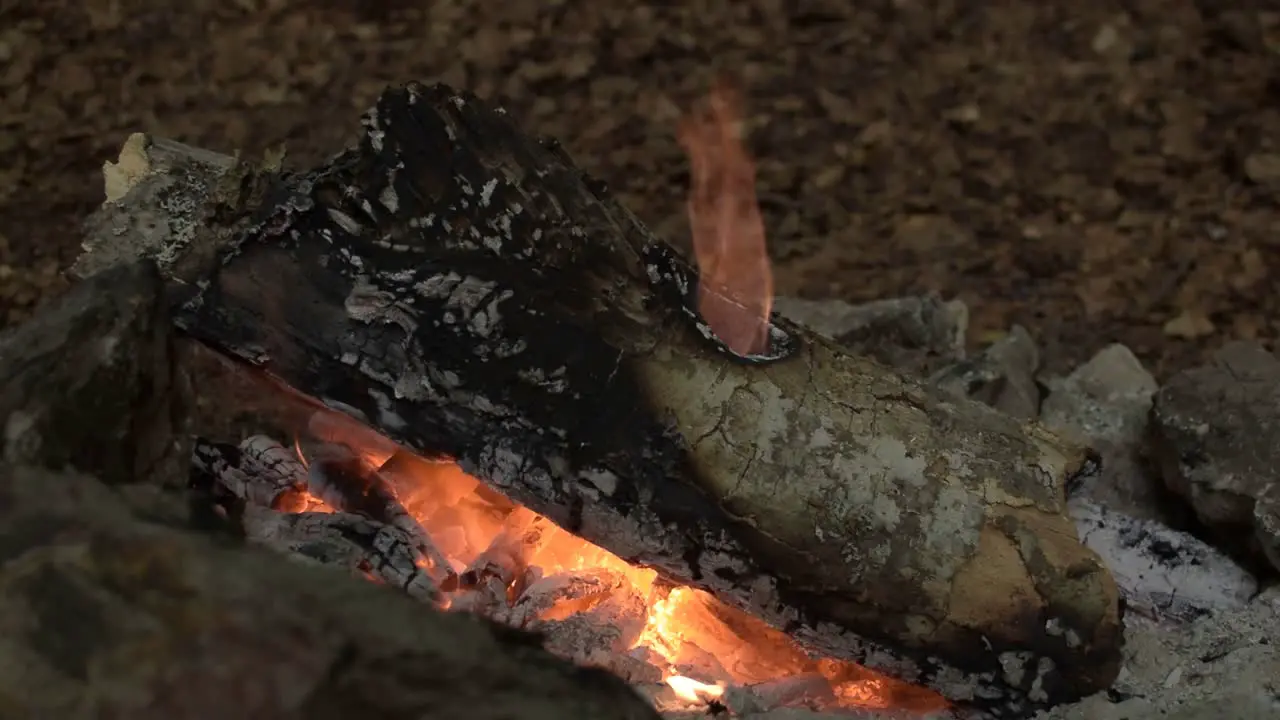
pixel 735 288
pixel 693 691
pixel 697 644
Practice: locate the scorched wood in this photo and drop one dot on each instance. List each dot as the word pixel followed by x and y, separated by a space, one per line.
pixel 466 291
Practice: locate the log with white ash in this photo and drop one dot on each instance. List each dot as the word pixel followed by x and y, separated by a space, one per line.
pixel 466 292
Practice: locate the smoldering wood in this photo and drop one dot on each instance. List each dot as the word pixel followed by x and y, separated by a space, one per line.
pixel 504 558
pixel 467 291
pixel 259 472
pixel 345 481
pixel 365 547
pixel 111 607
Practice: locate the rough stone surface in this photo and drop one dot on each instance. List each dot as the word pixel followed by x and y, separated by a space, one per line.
pixel 913 334
pixel 1266 523
pixel 1002 375
pixel 1105 404
pixel 105 615
pixel 1217 435
pixel 1223 666
pixel 92 384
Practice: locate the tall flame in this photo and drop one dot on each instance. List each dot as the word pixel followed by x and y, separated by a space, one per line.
pixel 735 288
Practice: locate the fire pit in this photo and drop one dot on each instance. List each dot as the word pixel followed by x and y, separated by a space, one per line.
pixel 428 529
pixel 520 404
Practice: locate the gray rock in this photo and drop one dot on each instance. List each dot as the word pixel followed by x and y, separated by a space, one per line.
pixel 1105 404
pixel 1223 666
pixel 916 335
pixel 1002 375
pixel 1217 435
pixel 1266 522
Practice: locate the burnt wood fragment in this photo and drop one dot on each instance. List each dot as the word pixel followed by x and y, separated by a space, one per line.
pixel 468 292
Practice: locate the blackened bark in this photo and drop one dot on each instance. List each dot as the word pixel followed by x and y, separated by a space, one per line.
pixel 467 291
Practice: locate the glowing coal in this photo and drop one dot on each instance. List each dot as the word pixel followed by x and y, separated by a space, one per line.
pixel 507 563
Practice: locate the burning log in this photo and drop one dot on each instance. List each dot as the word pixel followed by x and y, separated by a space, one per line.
pixel 346 481
pixel 111 608
pixel 467 292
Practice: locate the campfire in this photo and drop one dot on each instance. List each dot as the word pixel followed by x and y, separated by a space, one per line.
pixel 521 405
pixel 443 536
pixel 447 538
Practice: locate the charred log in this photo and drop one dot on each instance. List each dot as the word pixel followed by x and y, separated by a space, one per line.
pixel 111 607
pixel 466 291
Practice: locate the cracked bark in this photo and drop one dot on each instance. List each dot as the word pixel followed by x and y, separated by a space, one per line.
pixel 465 290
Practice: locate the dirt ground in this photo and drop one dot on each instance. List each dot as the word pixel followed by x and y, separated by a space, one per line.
pixel 1098 170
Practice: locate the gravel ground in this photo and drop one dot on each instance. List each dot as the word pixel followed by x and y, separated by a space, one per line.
pixel 1097 171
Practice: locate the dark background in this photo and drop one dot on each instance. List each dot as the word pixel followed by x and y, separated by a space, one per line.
pixel 1092 169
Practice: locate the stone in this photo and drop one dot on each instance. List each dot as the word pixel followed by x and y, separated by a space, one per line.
pixel 1105 404
pixel 92 382
pixel 1217 436
pixel 916 335
pixel 105 614
pixel 1263 168
pixel 1002 375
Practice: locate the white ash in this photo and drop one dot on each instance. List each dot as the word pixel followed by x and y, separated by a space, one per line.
pixel 1163 573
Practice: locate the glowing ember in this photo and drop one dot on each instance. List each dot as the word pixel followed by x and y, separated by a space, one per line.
pixel 698 645
pixel 735 288
pixel 692 690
